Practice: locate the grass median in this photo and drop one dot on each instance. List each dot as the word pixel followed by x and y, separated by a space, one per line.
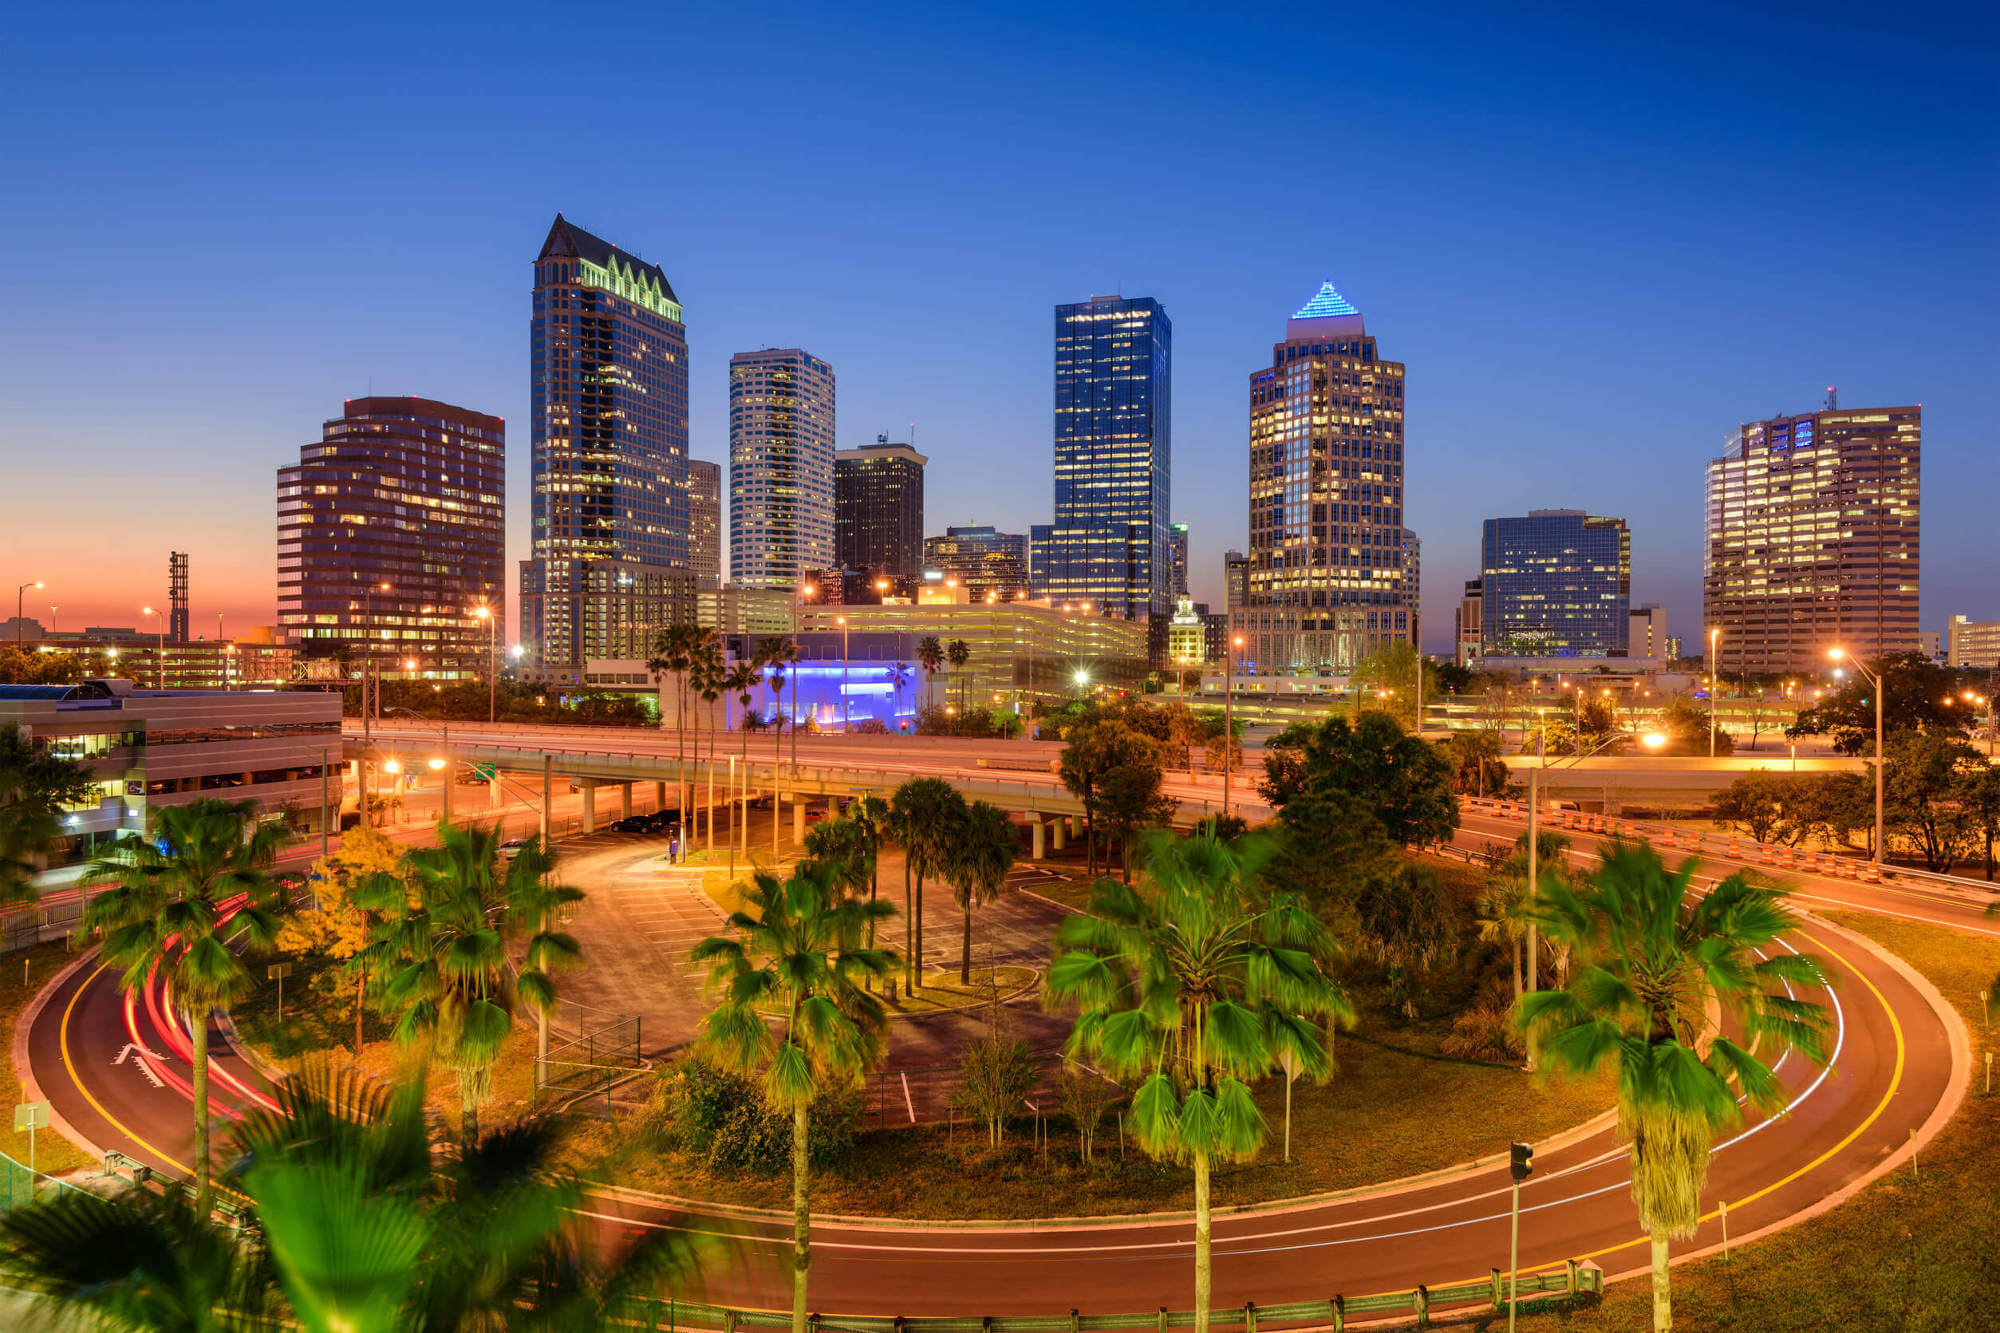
pixel 1918 1250
pixel 22 974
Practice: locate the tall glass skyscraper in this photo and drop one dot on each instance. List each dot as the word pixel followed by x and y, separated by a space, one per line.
pixel 1329 568
pixel 1557 583
pixel 1111 543
pixel 780 467
pixel 609 399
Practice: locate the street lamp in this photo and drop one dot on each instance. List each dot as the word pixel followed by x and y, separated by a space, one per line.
pixel 1714 683
pixel 842 622
pixel 20 601
pixel 1881 759
pixel 485 613
pixel 1228 718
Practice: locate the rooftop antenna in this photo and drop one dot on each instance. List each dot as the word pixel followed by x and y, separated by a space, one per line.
pixel 1832 398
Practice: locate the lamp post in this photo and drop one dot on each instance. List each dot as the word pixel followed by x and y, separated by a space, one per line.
pixel 485 613
pixel 1874 679
pixel 842 622
pixel 1714 684
pixel 1229 719
pixel 1652 740
pixel 20 605
pixel 808 591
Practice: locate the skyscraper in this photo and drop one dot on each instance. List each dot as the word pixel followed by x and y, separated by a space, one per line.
pixel 407 493
pixel 177 596
pixel 878 510
pixel 1471 621
pixel 981 559
pixel 609 398
pixel 705 523
pixel 1413 581
pixel 1180 541
pixel 780 467
pixel 1812 538
pixel 1110 543
pixel 1326 569
pixel 1235 580
pixel 1556 583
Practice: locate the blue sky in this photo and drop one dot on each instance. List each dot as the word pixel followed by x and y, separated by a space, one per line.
pixel 1598 239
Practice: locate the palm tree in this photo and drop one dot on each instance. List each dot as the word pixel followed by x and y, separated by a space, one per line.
pixel 797 955
pixel 34 787
pixel 871 814
pixel 1409 922
pixel 922 814
pixel 1504 910
pixel 450 953
pixel 958 654
pixel 930 654
pixel 1186 985
pixel 1654 966
pixel 980 853
pixel 201 877
pixel 899 680
pixel 708 678
pixel 358 1227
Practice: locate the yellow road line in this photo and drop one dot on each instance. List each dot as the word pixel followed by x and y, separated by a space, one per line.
pixel 77 1080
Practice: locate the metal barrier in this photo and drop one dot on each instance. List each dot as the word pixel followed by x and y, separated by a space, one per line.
pixel 597 1056
pixel 1572 1281
pixel 19 1184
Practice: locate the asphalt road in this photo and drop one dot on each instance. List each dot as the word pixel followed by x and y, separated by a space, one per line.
pixel 1895 1072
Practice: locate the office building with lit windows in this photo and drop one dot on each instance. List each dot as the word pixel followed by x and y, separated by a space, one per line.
pixel 1180 559
pixel 780 467
pixel 705 523
pixel 1812 538
pixel 609 403
pixel 979 558
pixel 878 512
pixel 1327 563
pixel 1110 542
pixel 391 536
pixel 1973 643
pixel 1555 583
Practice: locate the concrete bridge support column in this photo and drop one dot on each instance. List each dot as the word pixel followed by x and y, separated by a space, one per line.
pixel 1041 834
pixel 833 807
pixel 659 795
pixel 798 819
pixel 625 800
pixel 1076 826
pixel 1062 832
pixel 589 805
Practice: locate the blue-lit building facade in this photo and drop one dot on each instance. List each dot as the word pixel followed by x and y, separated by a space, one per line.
pixel 1555 583
pixel 1331 566
pixel 610 545
pixel 1111 540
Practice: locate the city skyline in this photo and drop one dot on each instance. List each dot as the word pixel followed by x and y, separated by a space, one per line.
pixel 1541 326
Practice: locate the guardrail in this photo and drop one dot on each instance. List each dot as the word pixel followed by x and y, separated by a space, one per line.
pixel 1572 1282
pixel 1697 841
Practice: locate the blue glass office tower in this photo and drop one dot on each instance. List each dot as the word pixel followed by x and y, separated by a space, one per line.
pixel 1111 543
pixel 609 563
pixel 1557 583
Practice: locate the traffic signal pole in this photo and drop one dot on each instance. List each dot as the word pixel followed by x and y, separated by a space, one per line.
pixel 1520 1165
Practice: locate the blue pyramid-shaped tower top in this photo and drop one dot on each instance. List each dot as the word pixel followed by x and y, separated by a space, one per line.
pixel 1326 303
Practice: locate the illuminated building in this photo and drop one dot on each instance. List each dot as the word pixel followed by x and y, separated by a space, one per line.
pixel 1471 630
pixel 1556 583
pixel 1235 580
pixel 981 558
pixel 1812 538
pixel 1413 581
pixel 1110 541
pixel 878 511
pixel 391 531
pixel 1973 643
pixel 705 522
pixel 1326 573
pixel 609 397
pixel 1187 635
pixel 780 467
pixel 1646 633
pixel 1180 558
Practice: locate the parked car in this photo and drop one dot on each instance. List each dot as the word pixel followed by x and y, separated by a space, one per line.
pixel 511 849
pixel 661 821
pixel 632 824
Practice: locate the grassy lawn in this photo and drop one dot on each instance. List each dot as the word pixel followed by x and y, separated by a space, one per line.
pixel 1915 1253
pixel 942 990
pixel 52 1151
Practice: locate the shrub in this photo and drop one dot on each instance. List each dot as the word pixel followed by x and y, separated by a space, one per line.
pixel 993 1078
pixel 720 1118
pixel 869 726
pixel 1486 1031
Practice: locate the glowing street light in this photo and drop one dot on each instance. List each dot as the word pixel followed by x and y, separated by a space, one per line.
pixel 1881 759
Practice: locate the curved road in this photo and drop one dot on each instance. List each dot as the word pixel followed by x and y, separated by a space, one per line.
pixel 1898 1071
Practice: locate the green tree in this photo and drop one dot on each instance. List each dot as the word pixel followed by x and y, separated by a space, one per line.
pixel 1406 780
pixel 778 653
pixel 1385 681
pixel 1476 766
pixel 930 656
pixel 1656 961
pixel 1755 803
pixel 358 1226
pixel 177 897
pixel 980 853
pixel 19 666
pixel 1921 792
pixel 1829 807
pixel 34 787
pixel 447 972
pixel 1408 922
pixel 1093 751
pixel 354 890
pixel 1330 845
pixel 1684 722
pixel 994 1075
pixel 923 813
pixel 1185 986
pixel 1916 696
pixel 958 653
pixel 795 1009
pixel 1979 805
